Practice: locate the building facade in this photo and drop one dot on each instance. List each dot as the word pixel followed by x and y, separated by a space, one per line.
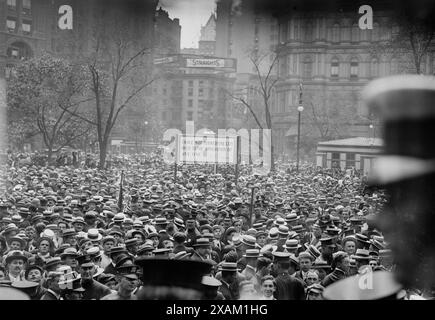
pixel 318 44
pixel 207 39
pixel 24 31
pixel 334 59
pixel 189 93
pixel 243 31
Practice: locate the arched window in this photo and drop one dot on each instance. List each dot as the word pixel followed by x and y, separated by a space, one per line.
pixel 336 32
pixel 335 64
pixel 394 66
pixel 386 33
pixel 355 33
pixel 307 67
pixel 354 66
pixel 19 51
pixel 374 68
pixel 375 32
pixel 296 30
pixel 308 32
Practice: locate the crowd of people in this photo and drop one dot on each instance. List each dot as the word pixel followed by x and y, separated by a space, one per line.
pixel 76 232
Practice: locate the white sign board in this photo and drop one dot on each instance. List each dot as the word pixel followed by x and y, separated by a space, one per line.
pixel 205 63
pixel 116 142
pixel 206 149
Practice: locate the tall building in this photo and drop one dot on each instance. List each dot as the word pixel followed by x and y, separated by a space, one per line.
pixel 318 44
pixel 193 88
pixel 167 33
pixel 325 50
pixel 30 27
pixel 242 31
pixel 24 31
pixel 207 39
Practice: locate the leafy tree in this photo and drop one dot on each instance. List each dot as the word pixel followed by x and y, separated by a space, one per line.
pixel 43 93
pixel 410 43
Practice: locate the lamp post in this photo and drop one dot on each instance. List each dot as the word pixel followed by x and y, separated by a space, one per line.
pixel 300 109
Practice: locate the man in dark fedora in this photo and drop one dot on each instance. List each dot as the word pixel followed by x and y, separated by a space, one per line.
pixel 210 288
pixel 53 291
pixel 93 289
pixel 229 278
pixel 128 281
pixel 202 250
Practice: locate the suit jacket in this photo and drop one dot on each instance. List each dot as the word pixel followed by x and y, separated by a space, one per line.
pixel 229 291
pixel 95 290
pixel 289 288
pixel 49 295
pixel 334 276
pixel 195 256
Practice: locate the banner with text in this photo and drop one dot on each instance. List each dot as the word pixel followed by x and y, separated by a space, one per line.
pixel 206 149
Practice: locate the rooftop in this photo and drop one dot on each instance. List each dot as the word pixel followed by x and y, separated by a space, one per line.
pixel 357 141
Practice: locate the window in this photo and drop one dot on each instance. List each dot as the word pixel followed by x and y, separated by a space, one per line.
pixel 11 23
pixel 27 4
pixel 374 68
pixel 13 53
pixel 190 103
pixel 354 68
pixel 12 4
pixel 165 91
pixel 336 33
pixel 200 92
pixel 394 66
pixel 308 68
pixel 334 68
pixel 27 26
pixel 335 160
pixel 375 32
pixel 190 92
pixel 189 115
pixel 350 160
pixel 201 83
pixel 9 70
pixel 355 33
pixel 190 83
pixel 308 34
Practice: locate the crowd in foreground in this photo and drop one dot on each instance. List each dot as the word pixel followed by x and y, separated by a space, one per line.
pixel 73 232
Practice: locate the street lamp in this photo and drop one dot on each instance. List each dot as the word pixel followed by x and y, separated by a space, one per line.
pixel 300 109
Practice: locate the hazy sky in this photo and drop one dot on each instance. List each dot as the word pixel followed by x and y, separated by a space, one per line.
pixel 192 14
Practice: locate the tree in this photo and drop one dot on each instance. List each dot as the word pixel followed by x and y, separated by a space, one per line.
pixel 265 81
pixel 328 116
pixel 119 71
pixel 410 42
pixel 43 93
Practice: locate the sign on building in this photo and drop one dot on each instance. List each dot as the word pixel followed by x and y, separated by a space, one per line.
pixel 206 149
pixel 205 63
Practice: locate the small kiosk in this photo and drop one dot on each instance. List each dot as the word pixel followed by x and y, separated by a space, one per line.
pixel 358 153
